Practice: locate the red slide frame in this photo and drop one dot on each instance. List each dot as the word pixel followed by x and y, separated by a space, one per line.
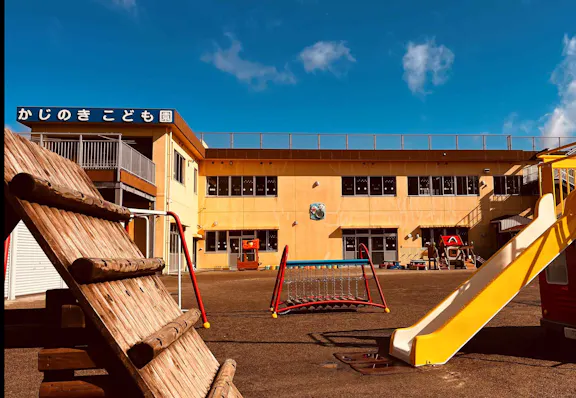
pixel 275 301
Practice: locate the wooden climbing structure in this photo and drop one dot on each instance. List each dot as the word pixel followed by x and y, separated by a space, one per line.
pixel 116 315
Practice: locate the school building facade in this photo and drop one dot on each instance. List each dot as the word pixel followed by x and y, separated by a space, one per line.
pixel 392 200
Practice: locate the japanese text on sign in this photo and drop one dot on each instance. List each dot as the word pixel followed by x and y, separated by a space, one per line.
pixel 94 115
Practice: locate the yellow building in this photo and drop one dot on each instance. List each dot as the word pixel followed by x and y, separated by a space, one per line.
pixel 394 201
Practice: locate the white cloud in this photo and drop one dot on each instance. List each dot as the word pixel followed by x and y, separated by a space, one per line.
pixel 255 74
pixel 562 120
pixel 325 56
pixel 423 60
pixel 514 126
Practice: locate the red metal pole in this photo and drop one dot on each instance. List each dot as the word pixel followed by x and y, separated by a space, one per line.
pixel 363 249
pixel 190 269
pixel 386 309
pixel 282 261
pixel 281 282
pixel 6 248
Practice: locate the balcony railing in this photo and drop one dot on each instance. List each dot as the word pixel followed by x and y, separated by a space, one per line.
pixel 102 155
pixel 380 141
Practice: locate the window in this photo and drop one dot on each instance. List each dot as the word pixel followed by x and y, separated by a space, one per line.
pixel 375 185
pixel 381 243
pixel 179 166
pixel 260 186
pixel 236 186
pixel 443 185
pixel 347 186
pixel 430 235
pixel 557 271
pixel 369 185
pixel 195 180
pixel 361 185
pixel 212 185
pixel 241 186
pixel 507 185
pixel 175 244
pixel 268 240
pixel 216 241
pixel 223 186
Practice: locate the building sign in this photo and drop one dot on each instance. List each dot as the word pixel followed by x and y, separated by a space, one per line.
pixel 317 211
pixel 94 115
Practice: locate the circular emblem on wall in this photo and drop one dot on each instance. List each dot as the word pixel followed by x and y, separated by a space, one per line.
pixel 317 211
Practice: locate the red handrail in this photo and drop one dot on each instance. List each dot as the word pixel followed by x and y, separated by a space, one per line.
pixel 6 248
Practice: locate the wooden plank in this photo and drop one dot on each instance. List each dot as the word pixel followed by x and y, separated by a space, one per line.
pixel 88 386
pixel 150 347
pixel 92 270
pixel 31 188
pixel 72 317
pixel 66 359
pixel 223 381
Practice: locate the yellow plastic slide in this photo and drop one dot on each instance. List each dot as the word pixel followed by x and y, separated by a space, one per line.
pixel 453 322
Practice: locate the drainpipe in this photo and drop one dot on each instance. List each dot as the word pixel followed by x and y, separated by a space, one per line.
pixel 168 185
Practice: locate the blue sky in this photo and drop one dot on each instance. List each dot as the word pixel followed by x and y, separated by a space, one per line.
pixel 303 65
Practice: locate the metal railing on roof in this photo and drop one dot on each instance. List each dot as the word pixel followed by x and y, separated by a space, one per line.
pixel 220 140
pixel 102 155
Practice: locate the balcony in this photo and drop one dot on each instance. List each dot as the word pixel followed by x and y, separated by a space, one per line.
pixel 102 154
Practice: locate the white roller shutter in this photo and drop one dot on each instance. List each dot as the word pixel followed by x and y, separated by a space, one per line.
pixel 34 273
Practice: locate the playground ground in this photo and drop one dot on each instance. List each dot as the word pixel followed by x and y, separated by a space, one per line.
pixel 292 356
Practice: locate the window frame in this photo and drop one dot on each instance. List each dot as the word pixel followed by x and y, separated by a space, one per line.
pixel 242 179
pixel 195 181
pixel 182 162
pixel 520 182
pixel 454 186
pixel 353 191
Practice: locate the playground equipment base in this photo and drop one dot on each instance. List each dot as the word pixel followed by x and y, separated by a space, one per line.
pixel 372 363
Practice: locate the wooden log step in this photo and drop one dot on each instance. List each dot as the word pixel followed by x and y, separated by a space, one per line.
pixel 222 385
pixel 145 351
pixel 86 386
pixel 52 359
pixel 33 189
pixel 91 270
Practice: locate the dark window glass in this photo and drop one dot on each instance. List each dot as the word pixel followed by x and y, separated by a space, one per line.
pixel 272 240
pixel 212 183
pixel 236 186
pixel 424 184
pixel 389 185
pixel 350 243
pixel 461 188
pixel 271 186
pixel 223 186
pixel 513 184
pixel 413 186
pixel 260 186
pixel 361 185
pixel 375 186
pixel 499 185
pixel 377 257
pixel 179 167
pixel 195 181
pixel 261 234
pixel 347 186
pixel 248 186
pixel 221 241
pixel 472 185
pixel 348 232
pixel 448 184
pixel 210 241
pixel 235 233
pixel 376 231
pixel 377 243
pixel 391 242
pixel 427 236
pixel 436 185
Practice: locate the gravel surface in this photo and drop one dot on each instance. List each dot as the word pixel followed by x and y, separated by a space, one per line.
pixel 293 356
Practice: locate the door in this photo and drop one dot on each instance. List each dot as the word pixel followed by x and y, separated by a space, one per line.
pixel 349 248
pixel 362 240
pixel 391 247
pixel 234 251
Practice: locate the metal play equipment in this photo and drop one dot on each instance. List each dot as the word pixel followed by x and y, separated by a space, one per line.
pixel 313 284
pixel 453 253
pixel 243 263
pixel 150 215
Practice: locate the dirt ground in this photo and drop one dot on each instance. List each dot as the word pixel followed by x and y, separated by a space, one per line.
pixel 288 356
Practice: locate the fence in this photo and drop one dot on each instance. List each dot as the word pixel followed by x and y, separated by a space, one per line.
pixel 103 155
pixel 380 141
